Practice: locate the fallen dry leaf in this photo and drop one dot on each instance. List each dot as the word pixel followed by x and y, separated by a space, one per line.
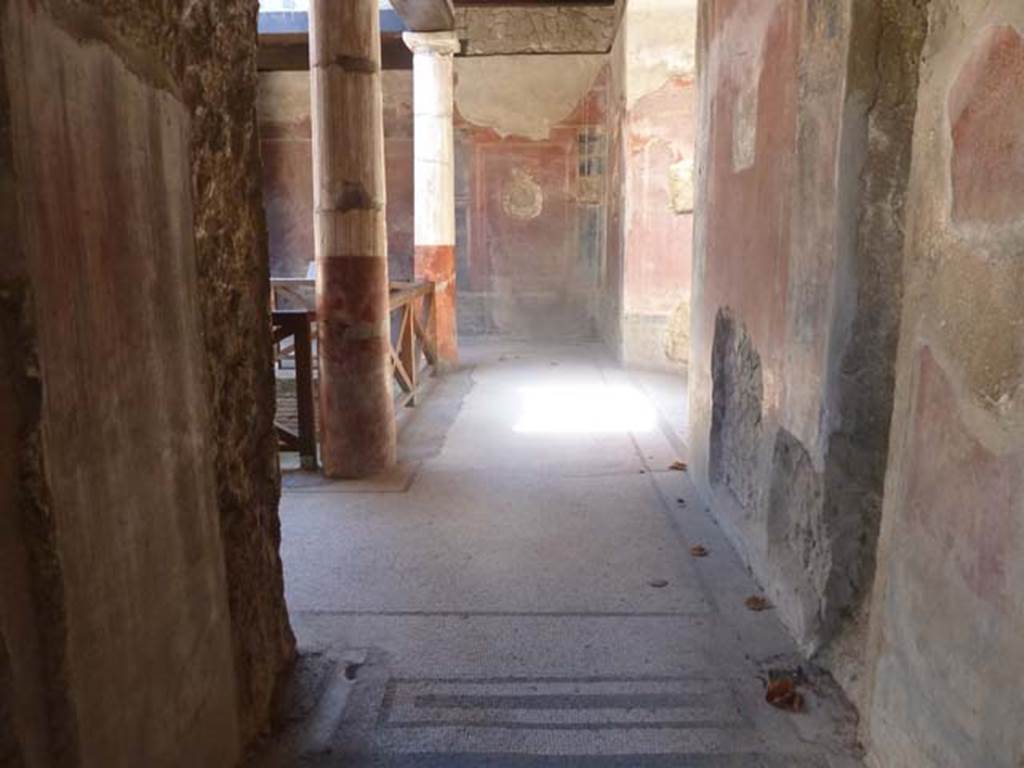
pixel 699 551
pixel 781 693
pixel 679 466
pixel 779 688
pixel 757 603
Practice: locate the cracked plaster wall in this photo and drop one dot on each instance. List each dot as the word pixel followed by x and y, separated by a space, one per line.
pixel 806 113
pixel 946 618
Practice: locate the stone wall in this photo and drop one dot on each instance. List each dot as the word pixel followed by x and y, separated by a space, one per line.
pixel 803 158
pixel 654 56
pixel 141 596
pixel 945 647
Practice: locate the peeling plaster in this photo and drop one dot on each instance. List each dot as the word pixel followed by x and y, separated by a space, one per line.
pixel 744 128
pixel 739 65
pixel 523 95
pixel 560 29
pixel 680 186
pixel 661 43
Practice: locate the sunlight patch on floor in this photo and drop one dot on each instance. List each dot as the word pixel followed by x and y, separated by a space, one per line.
pixel 583 409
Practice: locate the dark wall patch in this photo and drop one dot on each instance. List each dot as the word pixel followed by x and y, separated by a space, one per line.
pixel 737 396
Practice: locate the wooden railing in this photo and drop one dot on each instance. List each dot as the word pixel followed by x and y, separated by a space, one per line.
pixel 296 326
pixel 413 350
pixel 415 304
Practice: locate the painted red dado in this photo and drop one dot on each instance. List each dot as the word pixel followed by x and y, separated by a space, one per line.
pixel 436 263
pixel 355 374
pixel 961 496
pixel 986 112
pixel 365 301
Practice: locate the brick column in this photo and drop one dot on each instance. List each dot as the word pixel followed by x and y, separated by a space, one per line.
pixel 435 179
pixel 356 403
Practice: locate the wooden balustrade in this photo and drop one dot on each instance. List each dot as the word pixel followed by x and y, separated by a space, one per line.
pixel 414 303
pixel 296 325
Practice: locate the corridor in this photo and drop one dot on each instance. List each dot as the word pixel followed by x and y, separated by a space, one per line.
pixel 513 593
pixel 709 314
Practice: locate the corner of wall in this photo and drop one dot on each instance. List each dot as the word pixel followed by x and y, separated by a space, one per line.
pixel 875 155
pixel 234 282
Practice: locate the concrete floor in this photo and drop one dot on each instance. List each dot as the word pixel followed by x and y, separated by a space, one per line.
pixel 501 598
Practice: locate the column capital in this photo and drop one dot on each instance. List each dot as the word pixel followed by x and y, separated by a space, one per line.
pixel 437 43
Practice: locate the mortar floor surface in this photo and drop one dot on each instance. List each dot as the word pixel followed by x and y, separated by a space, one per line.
pixel 520 591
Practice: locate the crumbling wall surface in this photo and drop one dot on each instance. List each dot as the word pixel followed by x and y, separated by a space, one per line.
pixel 220 85
pixel 945 646
pixel 143 545
pixel 536 29
pixel 659 136
pixel 530 193
pixel 737 410
pixel 883 70
pixel 803 163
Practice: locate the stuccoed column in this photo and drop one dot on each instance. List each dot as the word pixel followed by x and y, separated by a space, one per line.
pixel 356 404
pixel 433 73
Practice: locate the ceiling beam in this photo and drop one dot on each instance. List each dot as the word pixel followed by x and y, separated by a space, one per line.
pixel 290 53
pixel 426 15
